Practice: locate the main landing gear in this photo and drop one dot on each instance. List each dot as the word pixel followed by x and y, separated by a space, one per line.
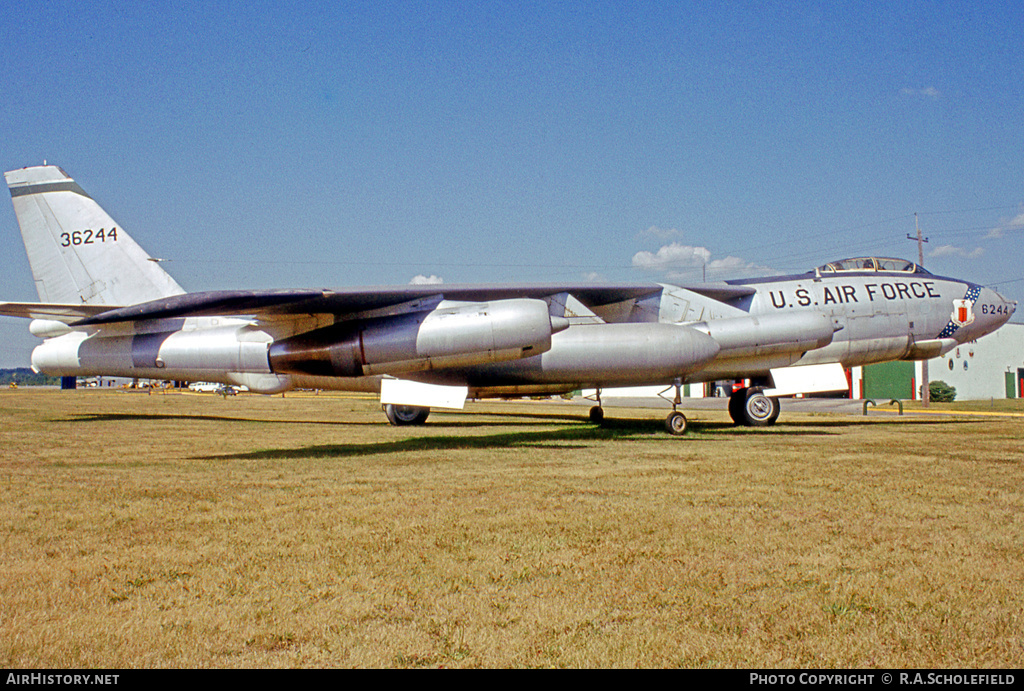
pixel 749 407
pixel 752 408
pixel 401 415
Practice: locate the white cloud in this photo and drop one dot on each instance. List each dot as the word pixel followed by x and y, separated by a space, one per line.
pixel 686 262
pixel 672 256
pixel 953 251
pixel 421 280
pixel 1015 223
pixel 737 265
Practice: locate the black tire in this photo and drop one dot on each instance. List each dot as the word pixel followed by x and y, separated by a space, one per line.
pixel 676 423
pixel 597 415
pixel 401 415
pixel 736 403
pixel 760 410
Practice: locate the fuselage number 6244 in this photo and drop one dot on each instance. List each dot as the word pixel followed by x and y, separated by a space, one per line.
pixel 88 237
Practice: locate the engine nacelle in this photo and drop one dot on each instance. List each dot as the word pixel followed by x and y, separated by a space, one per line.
pixel 197 355
pixel 769 334
pixel 453 335
pixel 588 355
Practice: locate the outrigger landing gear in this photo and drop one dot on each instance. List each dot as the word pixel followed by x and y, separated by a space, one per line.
pixel 751 408
pixel 401 415
pixel 676 422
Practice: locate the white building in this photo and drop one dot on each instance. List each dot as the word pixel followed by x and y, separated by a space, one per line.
pixel 991 367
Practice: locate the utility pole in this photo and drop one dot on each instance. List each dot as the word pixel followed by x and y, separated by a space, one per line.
pixel 925 392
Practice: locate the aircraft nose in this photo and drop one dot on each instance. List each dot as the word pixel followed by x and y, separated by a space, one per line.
pixel 993 309
pixel 980 312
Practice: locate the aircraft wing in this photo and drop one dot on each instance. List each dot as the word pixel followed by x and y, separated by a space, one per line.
pixel 278 304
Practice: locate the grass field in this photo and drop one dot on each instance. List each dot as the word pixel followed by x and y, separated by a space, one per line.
pixel 177 530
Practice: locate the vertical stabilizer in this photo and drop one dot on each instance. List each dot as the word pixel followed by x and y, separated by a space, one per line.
pixel 78 254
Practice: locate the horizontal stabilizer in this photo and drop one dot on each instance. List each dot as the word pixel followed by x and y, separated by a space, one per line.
pixel 56 312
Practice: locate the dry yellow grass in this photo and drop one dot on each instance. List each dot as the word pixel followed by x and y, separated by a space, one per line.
pixel 195 531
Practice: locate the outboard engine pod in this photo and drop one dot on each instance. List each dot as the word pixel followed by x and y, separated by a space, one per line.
pixel 452 335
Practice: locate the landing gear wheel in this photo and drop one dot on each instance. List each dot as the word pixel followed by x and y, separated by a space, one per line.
pixel 597 415
pixel 676 423
pixel 751 408
pixel 401 415
pixel 759 410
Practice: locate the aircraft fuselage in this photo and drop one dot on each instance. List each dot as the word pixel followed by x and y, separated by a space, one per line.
pixel 853 319
pixel 107 308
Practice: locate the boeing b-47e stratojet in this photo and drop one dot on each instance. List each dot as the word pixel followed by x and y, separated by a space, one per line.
pixel 107 308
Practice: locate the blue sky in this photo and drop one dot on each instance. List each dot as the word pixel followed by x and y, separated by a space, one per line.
pixel 266 145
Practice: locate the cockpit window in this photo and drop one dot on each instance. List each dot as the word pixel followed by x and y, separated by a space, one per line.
pixel 872 264
pixel 896 265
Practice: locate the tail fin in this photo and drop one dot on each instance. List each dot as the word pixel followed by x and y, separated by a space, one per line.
pixel 78 254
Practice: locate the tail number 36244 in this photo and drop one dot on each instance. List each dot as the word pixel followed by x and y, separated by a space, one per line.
pixel 88 237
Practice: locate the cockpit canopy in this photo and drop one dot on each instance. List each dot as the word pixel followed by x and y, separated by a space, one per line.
pixel 871 264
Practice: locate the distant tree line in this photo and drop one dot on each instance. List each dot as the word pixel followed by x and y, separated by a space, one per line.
pixel 23 376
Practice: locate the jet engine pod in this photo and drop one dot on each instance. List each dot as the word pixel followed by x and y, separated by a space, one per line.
pixel 621 354
pixel 453 335
pixel 766 334
pixel 614 353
